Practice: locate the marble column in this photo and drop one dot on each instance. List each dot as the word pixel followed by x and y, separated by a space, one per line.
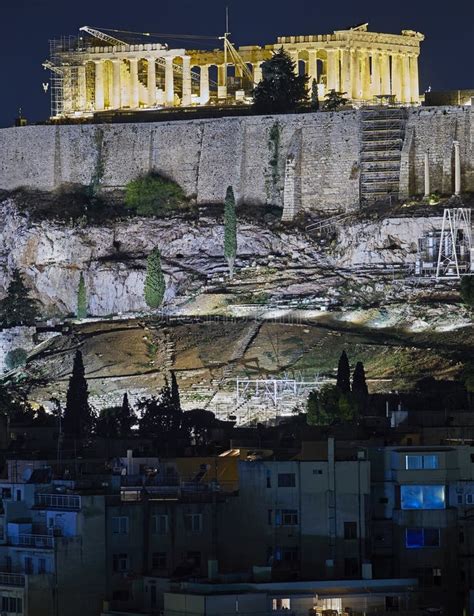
pixel 333 69
pixel 204 93
pixel 116 84
pixel 396 77
pixel 81 88
pixel 365 76
pixel 257 73
pixel 427 175
pixel 406 79
pixel 415 86
pixel 99 85
pixel 312 67
pixel 151 81
pixel 385 74
pixel 346 71
pixel 375 81
pixel 134 94
pixel 186 98
pixel 355 74
pixel 221 81
pixel 169 82
pixel 457 169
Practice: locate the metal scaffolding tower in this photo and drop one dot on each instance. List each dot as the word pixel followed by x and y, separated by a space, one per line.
pixel 455 255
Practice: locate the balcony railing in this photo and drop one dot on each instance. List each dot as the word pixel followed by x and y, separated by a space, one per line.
pixel 33 541
pixel 12 579
pixel 58 501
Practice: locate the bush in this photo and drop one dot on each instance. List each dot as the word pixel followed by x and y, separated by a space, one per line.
pixel 15 358
pixel 154 195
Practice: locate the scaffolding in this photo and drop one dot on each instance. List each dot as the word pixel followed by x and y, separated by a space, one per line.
pixel 63 75
pixel 382 135
pixel 275 392
pixel 447 253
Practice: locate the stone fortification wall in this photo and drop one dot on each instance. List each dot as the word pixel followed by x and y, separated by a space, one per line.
pixel 204 157
pixel 308 161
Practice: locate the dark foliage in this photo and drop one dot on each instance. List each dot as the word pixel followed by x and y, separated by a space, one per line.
pixel 17 308
pixel 78 418
pixel 343 382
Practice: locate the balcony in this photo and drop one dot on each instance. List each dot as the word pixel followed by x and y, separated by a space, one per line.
pixel 32 541
pixel 71 502
pixel 12 579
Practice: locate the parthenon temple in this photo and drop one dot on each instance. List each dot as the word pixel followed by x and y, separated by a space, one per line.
pixel 92 74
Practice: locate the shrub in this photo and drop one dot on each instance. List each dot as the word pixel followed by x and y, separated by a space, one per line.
pixel 154 195
pixel 467 291
pixel 15 358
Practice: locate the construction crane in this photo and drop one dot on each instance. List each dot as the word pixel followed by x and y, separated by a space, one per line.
pixel 101 36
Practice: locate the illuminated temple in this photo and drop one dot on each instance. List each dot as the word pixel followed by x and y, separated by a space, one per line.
pixel 97 72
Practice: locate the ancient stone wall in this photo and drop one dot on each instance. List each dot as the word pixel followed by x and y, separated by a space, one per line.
pixel 253 154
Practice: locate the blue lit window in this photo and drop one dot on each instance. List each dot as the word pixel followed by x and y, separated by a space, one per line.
pixel 422 538
pixel 418 462
pixel 422 497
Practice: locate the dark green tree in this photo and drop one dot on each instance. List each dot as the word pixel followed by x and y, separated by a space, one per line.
pixel 78 418
pixel 126 417
pixel 467 290
pixel 314 96
pixel 81 298
pixel 175 399
pixel 15 358
pixel 17 308
pixel 198 424
pixel 343 382
pixel 281 89
pixel 107 424
pixel 331 406
pixel 334 100
pixel 155 285
pixel 359 385
pixel 230 230
pixel 160 418
pixel 154 195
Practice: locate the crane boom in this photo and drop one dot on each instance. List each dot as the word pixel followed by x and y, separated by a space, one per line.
pixel 102 36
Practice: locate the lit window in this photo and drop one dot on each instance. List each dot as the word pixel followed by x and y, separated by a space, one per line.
pixel 422 538
pixel 193 522
pixel 280 604
pixel 120 525
pixel 417 462
pixel 286 480
pixel 160 524
pixel 422 497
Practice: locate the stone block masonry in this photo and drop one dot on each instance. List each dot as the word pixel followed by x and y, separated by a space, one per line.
pixel 303 162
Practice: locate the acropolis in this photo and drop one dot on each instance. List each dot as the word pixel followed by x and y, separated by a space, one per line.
pixel 98 72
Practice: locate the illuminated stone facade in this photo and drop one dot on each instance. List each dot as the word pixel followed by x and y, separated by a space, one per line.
pixel 363 64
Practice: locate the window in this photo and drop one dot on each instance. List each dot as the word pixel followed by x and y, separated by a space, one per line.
pixel 42 565
pixel 280 604
pixel 120 563
pixel 6 493
pixel 422 497
pixel 269 479
pixel 12 605
pixel 459 499
pixel 422 538
pixel 286 517
pixel 417 462
pixel 160 524
pixel 286 480
pixel 18 495
pixel 469 499
pixel 195 558
pixel 28 564
pixel 193 522
pixel 158 560
pixel 317 471
pixel 120 525
pixel 289 554
pixel 351 567
pixel 350 530
pixel 436 577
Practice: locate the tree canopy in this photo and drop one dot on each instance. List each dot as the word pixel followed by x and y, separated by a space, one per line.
pixel 281 89
pixel 17 308
pixel 230 229
pixel 78 418
pixel 155 285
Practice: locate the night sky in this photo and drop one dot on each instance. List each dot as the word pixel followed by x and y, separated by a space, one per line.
pixel 446 57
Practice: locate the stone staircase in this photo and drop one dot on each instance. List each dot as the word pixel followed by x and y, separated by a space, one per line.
pixel 382 134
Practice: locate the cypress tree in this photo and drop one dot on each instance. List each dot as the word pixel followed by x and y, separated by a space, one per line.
pixel 359 384
pixel 155 286
pixel 81 299
pixel 230 230
pixel 78 419
pixel 17 308
pixel 175 399
pixel 343 382
pixel 126 417
pixel 314 96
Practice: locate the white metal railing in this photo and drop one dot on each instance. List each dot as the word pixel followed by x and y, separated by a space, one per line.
pixel 58 501
pixel 34 541
pixel 12 579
